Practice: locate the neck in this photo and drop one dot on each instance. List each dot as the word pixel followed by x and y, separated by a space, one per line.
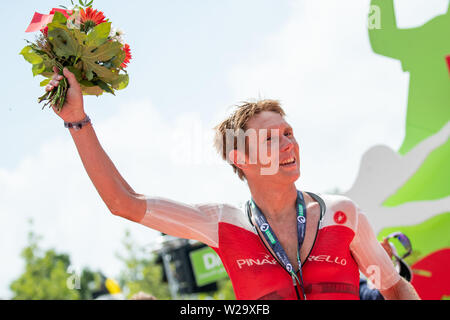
pixel 275 202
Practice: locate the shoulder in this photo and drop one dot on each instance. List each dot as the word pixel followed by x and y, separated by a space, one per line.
pixel 340 211
pixel 236 215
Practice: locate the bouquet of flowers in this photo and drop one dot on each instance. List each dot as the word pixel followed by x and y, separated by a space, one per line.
pixel 82 40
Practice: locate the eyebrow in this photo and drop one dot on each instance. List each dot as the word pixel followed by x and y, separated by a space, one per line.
pixel 287 127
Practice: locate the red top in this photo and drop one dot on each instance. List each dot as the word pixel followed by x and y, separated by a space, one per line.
pixel 345 244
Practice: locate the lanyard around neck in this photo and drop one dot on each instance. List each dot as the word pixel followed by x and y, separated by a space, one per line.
pixel 273 242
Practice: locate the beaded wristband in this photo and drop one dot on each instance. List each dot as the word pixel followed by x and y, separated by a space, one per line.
pixel 77 125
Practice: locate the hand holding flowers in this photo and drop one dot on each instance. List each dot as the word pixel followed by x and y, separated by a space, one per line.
pixel 83 42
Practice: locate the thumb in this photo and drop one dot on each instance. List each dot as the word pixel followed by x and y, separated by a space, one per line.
pixel 71 78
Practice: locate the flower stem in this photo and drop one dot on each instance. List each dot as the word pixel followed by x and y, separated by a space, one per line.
pixel 56 97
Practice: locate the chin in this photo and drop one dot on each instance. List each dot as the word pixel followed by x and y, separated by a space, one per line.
pixel 294 177
pixel 288 177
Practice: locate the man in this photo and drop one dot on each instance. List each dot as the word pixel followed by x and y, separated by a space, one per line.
pixel 336 238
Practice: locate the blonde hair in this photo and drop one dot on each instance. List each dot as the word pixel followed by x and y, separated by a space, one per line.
pixel 237 122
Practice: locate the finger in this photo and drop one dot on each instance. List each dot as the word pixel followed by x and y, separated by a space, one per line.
pixel 49 87
pixel 57 77
pixel 54 83
pixel 70 77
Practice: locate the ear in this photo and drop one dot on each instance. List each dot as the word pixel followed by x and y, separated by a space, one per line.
pixel 237 158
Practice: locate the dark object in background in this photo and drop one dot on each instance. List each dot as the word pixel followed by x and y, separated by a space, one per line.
pixel 184 272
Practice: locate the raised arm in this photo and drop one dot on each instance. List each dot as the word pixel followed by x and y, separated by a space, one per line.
pixel 115 192
pixel 197 222
pixel 385 37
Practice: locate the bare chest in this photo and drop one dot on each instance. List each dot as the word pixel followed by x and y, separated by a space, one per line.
pixel 288 236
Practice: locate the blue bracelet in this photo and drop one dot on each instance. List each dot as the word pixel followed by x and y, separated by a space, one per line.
pixel 77 125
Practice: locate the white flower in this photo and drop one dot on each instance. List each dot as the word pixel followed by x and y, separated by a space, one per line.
pixel 116 34
pixel 119 32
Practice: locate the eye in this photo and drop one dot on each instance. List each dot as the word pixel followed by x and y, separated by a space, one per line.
pixel 288 134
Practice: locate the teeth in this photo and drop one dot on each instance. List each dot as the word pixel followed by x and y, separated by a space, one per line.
pixel 288 161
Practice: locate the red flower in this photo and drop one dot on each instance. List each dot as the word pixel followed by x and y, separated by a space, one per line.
pixel 91 16
pixel 128 56
pixel 48 18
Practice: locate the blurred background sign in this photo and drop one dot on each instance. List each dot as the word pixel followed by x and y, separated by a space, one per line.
pixel 207 266
pixel 190 267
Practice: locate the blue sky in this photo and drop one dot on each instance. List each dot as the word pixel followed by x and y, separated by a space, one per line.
pixel 181 51
pixel 192 60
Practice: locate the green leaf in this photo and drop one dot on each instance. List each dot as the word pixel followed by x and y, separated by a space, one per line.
pixel 118 59
pixel 86 83
pixel 121 82
pixel 44 82
pixel 63 41
pixel 38 69
pixel 80 36
pixel 76 72
pixel 29 55
pixel 91 58
pixel 99 34
pixel 59 17
pixel 102 72
pixel 105 86
pixel 92 91
pixel 103 53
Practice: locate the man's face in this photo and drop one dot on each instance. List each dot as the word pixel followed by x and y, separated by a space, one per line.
pixel 273 153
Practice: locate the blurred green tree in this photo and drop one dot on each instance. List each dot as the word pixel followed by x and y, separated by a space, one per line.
pixel 141 273
pixel 224 291
pixel 47 276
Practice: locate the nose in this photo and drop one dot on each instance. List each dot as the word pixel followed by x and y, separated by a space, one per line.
pixel 286 144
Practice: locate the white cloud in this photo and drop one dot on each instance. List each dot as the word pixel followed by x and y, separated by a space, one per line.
pixel 53 188
pixel 340 96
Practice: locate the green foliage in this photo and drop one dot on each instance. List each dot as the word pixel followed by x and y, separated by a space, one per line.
pixel 29 54
pixel 99 34
pixel 224 291
pixel 82 3
pixel 46 276
pixel 90 281
pixel 91 56
pixel 141 273
pixel 59 17
pixel 63 41
pixel 44 82
pixel 88 51
pixel 121 82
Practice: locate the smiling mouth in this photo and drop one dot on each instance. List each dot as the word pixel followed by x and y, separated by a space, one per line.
pixel 288 162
